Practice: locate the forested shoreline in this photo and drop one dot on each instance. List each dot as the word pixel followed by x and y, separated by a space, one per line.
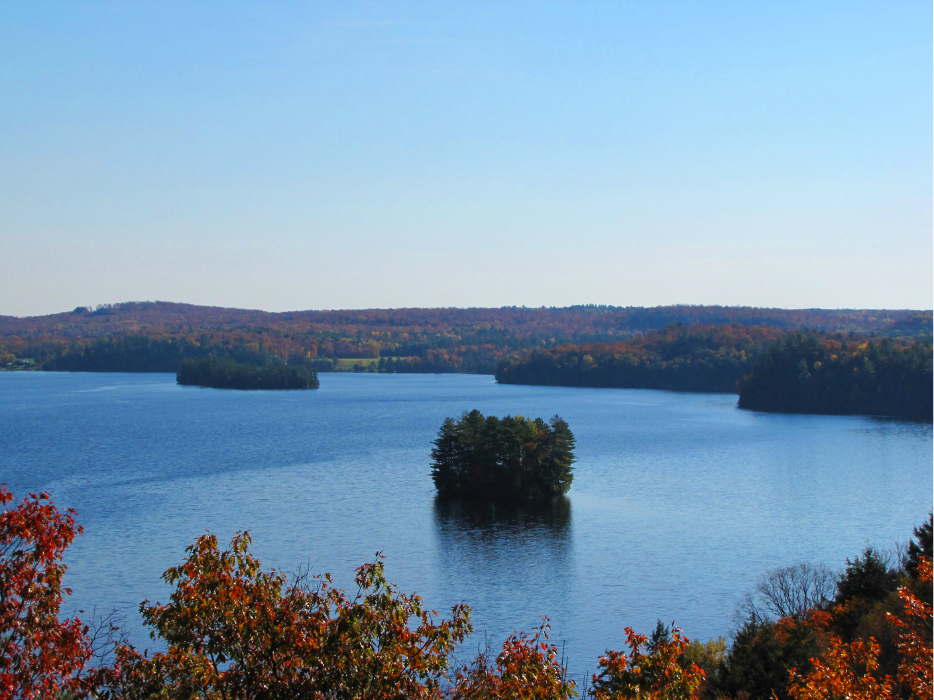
pixel 679 358
pixel 804 373
pixel 156 336
pixel 796 372
pixel 856 361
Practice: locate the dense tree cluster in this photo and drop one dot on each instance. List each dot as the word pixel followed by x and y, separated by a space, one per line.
pixel 227 374
pixel 679 358
pixel 796 372
pixel 405 340
pixel 464 360
pixel 870 639
pixel 804 373
pixel 511 458
pixel 125 353
pixel 232 630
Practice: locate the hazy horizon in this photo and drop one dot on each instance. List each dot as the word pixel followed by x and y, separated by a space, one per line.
pixel 393 308
pixel 408 154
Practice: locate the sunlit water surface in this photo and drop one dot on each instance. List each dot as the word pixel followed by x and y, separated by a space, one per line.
pixel 679 501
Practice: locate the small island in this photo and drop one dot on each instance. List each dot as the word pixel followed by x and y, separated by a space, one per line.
pixel 227 374
pixel 513 458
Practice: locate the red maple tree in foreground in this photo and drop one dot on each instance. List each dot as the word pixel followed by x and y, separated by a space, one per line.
pixel 40 655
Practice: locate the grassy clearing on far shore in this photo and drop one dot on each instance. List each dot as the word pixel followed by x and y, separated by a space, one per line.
pixel 346 363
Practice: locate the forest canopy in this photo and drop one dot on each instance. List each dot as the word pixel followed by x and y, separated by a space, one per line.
pixel 803 373
pixel 879 368
pixel 678 358
pixel 789 372
pixel 511 458
pixel 155 336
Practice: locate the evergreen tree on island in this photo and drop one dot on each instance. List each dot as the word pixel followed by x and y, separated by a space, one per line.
pixel 219 373
pixel 511 458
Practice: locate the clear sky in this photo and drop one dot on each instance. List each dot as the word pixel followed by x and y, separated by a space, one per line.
pixel 387 154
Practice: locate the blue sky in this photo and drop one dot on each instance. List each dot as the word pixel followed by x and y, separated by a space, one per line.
pixel 345 155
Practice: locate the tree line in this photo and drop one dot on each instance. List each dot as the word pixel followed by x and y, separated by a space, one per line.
pixel 772 369
pixel 220 373
pixel 803 373
pixel 155 317
pixel 796 372
pixel 421 340
pixel 232 630
pixel 679 358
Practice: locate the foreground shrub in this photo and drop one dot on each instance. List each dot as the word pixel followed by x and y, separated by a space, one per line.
pixel 234 631
pixel 651 671
pixel 527 667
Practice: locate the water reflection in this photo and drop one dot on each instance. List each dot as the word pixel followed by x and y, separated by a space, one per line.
pixel 479 541
pixel 491 522
pixel 898 427
pixel 512 563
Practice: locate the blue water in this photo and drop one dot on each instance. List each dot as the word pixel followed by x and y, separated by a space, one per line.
pixel 679 501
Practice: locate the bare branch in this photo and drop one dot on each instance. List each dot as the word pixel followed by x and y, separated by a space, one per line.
pixel 789 591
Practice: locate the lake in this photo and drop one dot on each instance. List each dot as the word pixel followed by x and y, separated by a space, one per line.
pixel 679 502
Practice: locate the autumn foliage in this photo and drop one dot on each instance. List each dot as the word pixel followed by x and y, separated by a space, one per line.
pixel 528 667
pixel 235 631
pixel 914 637
pixel 157 336
pixel 231 630
pixel 851 670
pixel 40 655
pixel 679 358
pixel 650 671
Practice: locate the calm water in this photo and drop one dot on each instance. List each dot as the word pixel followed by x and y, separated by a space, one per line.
pixel 679 500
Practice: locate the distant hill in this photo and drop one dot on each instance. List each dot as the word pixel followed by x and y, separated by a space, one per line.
pixel 169 317
pixel 919 325
pixel 154 336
